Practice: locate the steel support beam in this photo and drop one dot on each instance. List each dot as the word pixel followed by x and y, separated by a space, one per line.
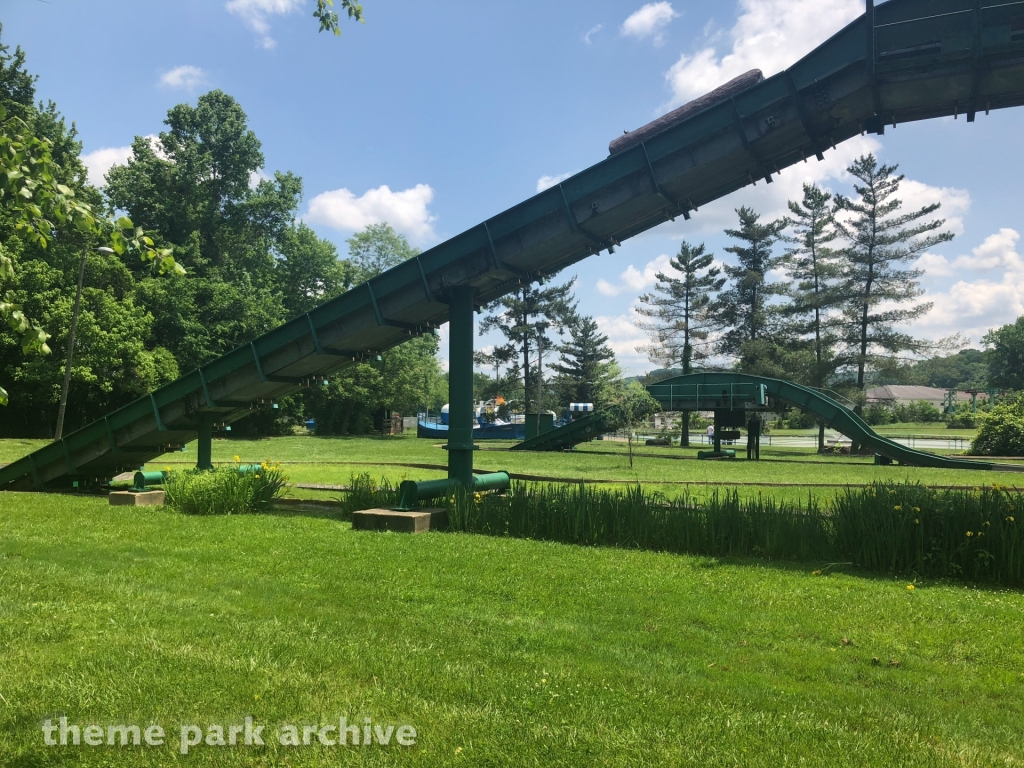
pixel 204 457
pixel 460 385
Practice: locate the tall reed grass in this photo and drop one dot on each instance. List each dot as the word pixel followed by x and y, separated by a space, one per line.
pixel 903 529
pixel 225 491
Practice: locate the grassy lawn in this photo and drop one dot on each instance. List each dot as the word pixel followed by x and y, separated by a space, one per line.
pixel 498 651
pixel 333 461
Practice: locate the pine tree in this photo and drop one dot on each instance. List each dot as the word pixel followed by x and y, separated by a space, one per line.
pixel 681 314
pixel 524 317
pixel 743 306
pixel 817 292
pixel 585 362
pixel 882 239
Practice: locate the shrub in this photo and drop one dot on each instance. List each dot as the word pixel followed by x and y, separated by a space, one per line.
pixel 1002 430
pixel 878 414
pixel 964 417
pixel 225 491
pixel 921 412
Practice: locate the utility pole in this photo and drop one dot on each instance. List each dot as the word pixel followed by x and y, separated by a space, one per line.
pixel 71 342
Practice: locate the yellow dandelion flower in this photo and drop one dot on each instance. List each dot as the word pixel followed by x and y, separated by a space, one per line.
pixel 167 469
pixel 1009 519
pixel 910 587
pixel 458 750
pixel 237 459
pixel 987 523
pixel 898 508
pixel 917 521
pixel 969 534
pixel 917 509
pixel 815 573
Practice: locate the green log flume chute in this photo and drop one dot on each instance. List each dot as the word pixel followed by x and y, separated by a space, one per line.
pixel 708 391
pixel 901 61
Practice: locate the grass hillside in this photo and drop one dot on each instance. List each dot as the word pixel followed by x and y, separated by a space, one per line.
pixel 498 651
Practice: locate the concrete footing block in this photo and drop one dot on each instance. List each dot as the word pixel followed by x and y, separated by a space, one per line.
pixel 419 521
pixel 137 498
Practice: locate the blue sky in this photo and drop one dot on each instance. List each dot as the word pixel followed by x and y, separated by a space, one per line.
pixel 436 116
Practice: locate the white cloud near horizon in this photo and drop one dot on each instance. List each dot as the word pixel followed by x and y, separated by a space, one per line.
pixel 547 182
pixel 407 210
pixel 183 78
pixel 648 21
pixel 769 35
pixel 624 337
pixel 989 293
pixel 255 13
pixel 635 280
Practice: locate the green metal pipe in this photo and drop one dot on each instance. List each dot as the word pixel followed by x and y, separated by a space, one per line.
pixel 412 492
pixel 460 385
pixel 145 480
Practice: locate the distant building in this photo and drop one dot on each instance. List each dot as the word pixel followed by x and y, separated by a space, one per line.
pixel 900 394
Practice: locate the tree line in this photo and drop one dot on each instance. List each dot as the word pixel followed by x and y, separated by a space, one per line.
pixel 820 297
pixel 242 264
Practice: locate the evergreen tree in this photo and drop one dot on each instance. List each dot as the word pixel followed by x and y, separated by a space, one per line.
pixel 585 362
pixel 879 291
pixel 817 291
pixel 743 307
pixel 682 316
pixel 524 318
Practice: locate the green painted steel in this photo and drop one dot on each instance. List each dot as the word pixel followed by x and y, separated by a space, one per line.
pixel 835 415
pixel 574 433
pixel 412 492
pixel 697 397
pixel 460 386
pixel 903 60
pixel 143 480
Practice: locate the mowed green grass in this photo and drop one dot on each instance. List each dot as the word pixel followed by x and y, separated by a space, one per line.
pixel 499 652
pixel 333 461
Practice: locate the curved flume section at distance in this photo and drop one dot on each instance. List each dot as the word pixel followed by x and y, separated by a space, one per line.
pixel 833 413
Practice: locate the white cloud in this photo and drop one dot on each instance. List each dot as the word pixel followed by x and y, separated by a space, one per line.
pixel 184 78
pixel 650 20
pixel 406 211
pixel 635 280
pixel 100 161
pixel 770 200
pixel 624 337
pixel 546 182
pixel 591 32
pixel 768 35
pixel 257 176
pixel 255 13
pixel 971 307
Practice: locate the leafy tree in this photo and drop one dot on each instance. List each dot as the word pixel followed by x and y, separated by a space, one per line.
pixel 682 315
pixel 377 249
pixel 240 243
pixel 629 403
pixel 1005 355
pixel 1002 430
pixel 586 364
pixel 817 293
pixel 878 289
pixel 44 201
pixel 310 271
pixel 743 306
pixel 523 317
pixel 328 17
